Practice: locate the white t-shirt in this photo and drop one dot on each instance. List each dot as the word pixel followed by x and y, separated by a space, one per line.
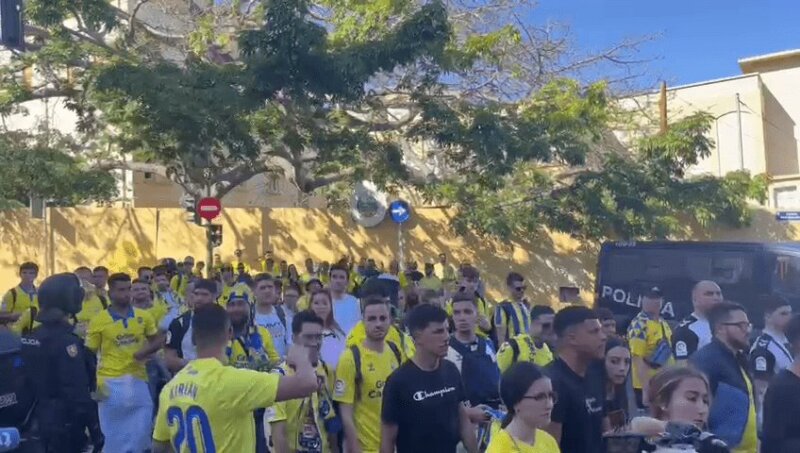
pixel 280 333
pixel 333 345
pixel 347 312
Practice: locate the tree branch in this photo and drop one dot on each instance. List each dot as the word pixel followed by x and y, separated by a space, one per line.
pixel 326 180
pixel 132 20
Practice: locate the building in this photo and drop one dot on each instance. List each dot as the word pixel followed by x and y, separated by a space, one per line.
pixel 756 122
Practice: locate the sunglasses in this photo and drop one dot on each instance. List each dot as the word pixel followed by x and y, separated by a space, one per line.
pixel 520 288
pixel 547 325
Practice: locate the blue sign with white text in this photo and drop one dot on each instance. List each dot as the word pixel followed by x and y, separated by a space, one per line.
pixel 788 215
pixel 400 211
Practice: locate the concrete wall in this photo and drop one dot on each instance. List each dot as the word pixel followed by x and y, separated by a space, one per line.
pixel 717 98
pixel 124 239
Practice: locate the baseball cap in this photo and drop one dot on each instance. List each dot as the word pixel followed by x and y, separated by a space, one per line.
pixel 654 292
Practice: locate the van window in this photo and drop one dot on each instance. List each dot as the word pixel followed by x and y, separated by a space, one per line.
pixel 725 268
pixel 786 275
pixel 656 265
pixel 624 266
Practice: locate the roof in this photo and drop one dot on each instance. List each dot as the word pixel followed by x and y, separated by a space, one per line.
pixel 771 61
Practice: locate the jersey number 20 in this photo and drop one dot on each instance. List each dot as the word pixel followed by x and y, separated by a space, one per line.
pixel 194 416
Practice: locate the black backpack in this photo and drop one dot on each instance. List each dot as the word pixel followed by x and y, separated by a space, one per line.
pixel 359 378
pixel 16 396
pixel 479 372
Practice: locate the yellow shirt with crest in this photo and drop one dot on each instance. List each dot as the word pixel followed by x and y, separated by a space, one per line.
pixel 216 402
pixel 367 404
pixel 116 339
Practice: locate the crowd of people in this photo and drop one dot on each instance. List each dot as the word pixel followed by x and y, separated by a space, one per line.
pixel 362 358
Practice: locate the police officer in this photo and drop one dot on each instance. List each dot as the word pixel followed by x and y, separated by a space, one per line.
pixel 61 370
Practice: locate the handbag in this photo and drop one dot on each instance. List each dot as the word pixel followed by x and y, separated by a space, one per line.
pixel 661 355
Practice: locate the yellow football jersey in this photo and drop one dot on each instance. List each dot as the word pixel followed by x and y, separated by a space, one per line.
pixel 367 404
pixel 17 300
pixel 305 418
pixel 502 442
pixel 208 407
pixel 116 339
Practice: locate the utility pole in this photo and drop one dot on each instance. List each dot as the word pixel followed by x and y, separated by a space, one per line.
pixel 662 108
pixel 741 141
pixel 209 243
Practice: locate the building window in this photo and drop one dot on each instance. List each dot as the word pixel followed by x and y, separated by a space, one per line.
pixel 786 197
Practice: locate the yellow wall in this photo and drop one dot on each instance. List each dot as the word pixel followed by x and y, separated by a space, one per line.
pixel 124 239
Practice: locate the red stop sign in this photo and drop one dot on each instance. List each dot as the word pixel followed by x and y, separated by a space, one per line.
pixel 209 208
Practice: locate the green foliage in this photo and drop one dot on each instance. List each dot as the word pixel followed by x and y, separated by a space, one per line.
pixel 643 195
pixel 335 91
pixel 41 166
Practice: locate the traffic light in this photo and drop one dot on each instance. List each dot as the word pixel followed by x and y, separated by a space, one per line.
pixel 189 204
pixel 11 29
pixel 215 235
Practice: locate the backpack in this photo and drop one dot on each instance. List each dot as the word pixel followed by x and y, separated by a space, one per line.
pixel 16 397
pixel 479 372
pixel 515 348
pixel 282 317
pixel 357 362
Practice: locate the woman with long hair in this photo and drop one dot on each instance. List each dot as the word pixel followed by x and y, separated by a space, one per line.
pixel 292 275
pixel 680 394
pixel 679 405
pixel 529 399
pixel 617 366
pixel 333 337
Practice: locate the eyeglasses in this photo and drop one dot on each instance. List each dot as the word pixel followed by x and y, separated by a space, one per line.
pixel 520 288
pixel 539 397
pixel 744 325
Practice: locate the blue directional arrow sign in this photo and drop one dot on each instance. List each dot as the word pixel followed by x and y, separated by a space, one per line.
pixel 400 211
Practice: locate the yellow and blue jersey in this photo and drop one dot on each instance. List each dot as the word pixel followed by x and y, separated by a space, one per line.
pixel 208 407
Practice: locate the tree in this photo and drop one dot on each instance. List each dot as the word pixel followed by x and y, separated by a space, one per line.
pixel 335 91
pixel 38 166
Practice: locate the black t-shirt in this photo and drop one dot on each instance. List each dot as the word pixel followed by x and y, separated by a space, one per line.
pixel 579 409
pixel 781 424
pixel 425 406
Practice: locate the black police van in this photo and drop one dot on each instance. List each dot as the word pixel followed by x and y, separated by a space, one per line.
pixel 743 270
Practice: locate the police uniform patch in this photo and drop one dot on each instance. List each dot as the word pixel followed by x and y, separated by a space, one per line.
pixel 680 349
pixel 72 351
pixel 140 320
pixel 761 363
pixel 339 387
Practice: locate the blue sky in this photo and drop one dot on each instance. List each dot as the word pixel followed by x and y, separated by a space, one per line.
pixel 699 39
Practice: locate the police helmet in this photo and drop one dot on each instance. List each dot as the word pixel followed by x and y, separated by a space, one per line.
pixel 59 295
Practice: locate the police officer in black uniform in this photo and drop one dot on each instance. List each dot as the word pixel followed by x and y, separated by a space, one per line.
pixel 61 370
